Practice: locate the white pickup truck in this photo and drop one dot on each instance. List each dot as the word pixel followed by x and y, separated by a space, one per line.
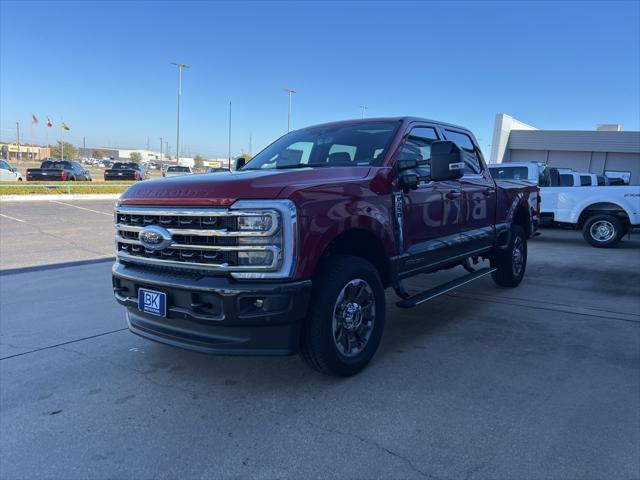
pixel 604 213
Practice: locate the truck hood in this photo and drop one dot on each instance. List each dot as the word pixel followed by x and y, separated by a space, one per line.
pixel 221 189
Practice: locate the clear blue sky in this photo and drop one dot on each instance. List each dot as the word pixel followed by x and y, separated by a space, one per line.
pixel 104 67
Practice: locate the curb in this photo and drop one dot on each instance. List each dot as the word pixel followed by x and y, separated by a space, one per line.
pixel 73 196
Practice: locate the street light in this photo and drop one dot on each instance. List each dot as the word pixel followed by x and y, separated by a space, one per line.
pixel 180 67
pixel 290 91
pixel 364 109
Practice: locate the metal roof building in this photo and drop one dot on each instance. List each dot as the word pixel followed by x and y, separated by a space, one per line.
pixel 605 150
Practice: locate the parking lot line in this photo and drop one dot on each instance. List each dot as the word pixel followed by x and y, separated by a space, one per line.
pixel 82 208
pixel 12 218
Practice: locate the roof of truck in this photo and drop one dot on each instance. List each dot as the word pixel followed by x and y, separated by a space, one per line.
pixel 383 119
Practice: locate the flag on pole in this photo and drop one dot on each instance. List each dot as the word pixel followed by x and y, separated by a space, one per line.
pixel 64 126
pixel 34 119
pixel 49 124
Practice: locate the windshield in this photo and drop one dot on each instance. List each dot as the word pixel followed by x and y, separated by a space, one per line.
pixel 341 146
pixel 178 169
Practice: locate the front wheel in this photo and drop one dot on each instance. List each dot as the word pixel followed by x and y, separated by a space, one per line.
pixel 512 261
pixel 603 231
pixel 347 315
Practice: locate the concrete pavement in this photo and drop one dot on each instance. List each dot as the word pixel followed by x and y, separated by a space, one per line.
pixel 538 381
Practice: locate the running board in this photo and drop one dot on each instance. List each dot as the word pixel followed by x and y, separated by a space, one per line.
pixel 444 288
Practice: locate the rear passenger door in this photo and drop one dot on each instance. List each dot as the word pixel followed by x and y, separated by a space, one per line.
pixel 478 194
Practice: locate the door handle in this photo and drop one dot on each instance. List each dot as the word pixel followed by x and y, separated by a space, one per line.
pixel 489 191
pixel 453 194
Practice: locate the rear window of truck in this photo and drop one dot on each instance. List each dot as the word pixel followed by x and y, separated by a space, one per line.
pixel 566 180
pixel 125 166
pixel 56 165
pixel 510 173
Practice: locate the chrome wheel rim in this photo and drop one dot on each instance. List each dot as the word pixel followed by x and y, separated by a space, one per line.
pixel 517 256
pixel 353 317
pixel 602 231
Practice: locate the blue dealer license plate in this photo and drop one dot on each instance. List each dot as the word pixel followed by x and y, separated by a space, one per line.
pixel 150 301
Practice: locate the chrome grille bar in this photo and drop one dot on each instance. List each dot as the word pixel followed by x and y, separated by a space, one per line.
pixel 198 248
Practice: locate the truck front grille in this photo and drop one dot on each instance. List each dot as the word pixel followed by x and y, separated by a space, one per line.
pixel 194 238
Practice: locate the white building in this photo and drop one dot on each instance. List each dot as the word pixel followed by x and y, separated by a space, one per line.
pixel 607 150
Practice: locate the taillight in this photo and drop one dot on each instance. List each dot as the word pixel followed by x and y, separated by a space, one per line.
pixel 64 175
pixel 136 175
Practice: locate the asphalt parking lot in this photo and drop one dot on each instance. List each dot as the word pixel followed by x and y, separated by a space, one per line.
pixel 542 381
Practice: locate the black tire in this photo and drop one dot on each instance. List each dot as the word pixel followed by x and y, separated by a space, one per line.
pixel 341 277
pixel 511 265
pixel 603 231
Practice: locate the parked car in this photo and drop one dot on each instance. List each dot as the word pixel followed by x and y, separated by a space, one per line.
pixel 59 170
pixel 604 214
pixel 293 252
pixel 8 173
pixel 126 171
pixel 216 170
pixel 176 171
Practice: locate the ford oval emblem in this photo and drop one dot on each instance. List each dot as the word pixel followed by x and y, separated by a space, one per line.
pixel 155 238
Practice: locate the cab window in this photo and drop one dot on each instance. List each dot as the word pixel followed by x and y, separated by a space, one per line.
pixel 471 158
pixel 418 147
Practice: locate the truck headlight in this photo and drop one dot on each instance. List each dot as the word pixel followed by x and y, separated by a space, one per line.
pixel 260 223
pixel 270 227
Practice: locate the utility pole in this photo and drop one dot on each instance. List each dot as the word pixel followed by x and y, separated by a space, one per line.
pixel 161 159
pixel 18 133
pixel 290 91
pixel 229 135
pixel 364 109
pixel 250 148
pixel 180 67
pixel 147 143
pixel 166 144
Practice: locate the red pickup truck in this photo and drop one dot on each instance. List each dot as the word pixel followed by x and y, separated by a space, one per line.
pixel 293 252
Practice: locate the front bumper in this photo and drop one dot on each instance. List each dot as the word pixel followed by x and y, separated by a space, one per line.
pixel 215 314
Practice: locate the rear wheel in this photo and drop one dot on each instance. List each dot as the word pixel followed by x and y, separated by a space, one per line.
pixel 346 319
pixel 603 231
pixel 511 262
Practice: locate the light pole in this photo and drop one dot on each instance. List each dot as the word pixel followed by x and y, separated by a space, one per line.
pixel 161 159
pixel 180 67
pixel 290 91
pixel 364 109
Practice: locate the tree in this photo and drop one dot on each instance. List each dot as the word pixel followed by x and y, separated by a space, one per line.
pixel 70 152
pixel 99 153
pixel 198 161
pixel 135 157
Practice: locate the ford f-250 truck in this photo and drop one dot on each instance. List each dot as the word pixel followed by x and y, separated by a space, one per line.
pixel 293 252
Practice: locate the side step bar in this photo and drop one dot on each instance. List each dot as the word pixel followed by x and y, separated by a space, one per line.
pixel 444 288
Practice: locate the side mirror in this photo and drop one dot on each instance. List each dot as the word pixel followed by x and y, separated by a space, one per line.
pixel 240 162
pixel 14 170
pixel 447 161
